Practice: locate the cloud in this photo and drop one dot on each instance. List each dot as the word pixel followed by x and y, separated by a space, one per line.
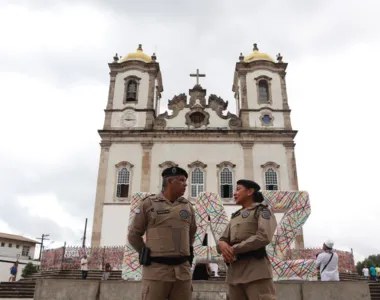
pixel 55 78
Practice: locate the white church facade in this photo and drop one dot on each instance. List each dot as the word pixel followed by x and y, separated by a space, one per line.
pixel 198 133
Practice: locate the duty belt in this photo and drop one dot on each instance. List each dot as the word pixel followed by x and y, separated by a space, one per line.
pixel 170 260
pixel 259 254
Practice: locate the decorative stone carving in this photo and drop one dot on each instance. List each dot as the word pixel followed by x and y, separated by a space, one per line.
pixel 197 117
pixel 224 164
pixel 197 164
pixel 124 164
pixel 176 104
pixel 168 164
pixel 197 93
pixel 270 164
pixel 219 105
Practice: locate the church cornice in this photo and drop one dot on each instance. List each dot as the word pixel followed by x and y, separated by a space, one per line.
pixel 244 67
pixel 131 108
pixel 198 136
pixel 265 108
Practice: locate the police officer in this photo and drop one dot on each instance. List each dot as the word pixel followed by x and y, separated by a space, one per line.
pixel 168 219
pixel 251 229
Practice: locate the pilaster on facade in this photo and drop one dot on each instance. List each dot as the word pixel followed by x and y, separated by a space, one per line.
pixel 146 165
pixel 111 92
pixel 248 159
pixel 291 162
pixel 100 194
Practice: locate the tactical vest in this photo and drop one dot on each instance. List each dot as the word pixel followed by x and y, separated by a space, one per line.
pixel 168 228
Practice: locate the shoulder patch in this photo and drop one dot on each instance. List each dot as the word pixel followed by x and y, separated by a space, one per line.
pixel 266 214
pixel 246 214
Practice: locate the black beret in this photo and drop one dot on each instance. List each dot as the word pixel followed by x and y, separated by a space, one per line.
pixel 249 184
pixel 174 171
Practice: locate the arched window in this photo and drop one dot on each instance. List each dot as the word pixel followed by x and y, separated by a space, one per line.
pixel 263 86
pixel 123 183
pixel 226 185
pixel 263 91
pixel 197 182
pixel 132 90
pixel 271 181
pixel 123 180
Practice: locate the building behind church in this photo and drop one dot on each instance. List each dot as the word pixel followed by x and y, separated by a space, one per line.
pixel 197 133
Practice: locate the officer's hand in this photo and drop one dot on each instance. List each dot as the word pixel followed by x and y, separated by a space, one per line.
pixel 227 251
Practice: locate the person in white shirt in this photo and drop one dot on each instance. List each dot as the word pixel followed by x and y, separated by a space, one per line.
pixel 327 263
pixel 365 272
pixel 84 267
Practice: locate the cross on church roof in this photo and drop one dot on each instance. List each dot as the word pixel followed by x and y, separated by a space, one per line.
pixel 197 75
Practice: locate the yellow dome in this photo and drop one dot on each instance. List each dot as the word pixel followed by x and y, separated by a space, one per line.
pixel 139 55
pixel 256 55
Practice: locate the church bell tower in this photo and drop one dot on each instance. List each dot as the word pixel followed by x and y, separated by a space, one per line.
pixel 134 91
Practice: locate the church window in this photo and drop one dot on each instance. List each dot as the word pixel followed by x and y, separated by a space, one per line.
pixel 271 183
pixel 263 91
pixel 266 119
pixel 132 91
pixel 197 182
pixel 271 176
pixel 123 179
pixel 263 86
pixel 123 183
pixel 226 187
pixel 197 171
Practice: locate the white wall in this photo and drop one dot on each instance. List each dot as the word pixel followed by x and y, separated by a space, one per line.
pixel 263 153
pixel 115 225
pixel 14 252
pixel 142 92
pixel 275 89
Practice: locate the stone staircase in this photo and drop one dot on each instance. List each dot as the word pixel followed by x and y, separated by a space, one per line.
pixel 72 274
pixel 17 289
pixel 24 288
pixel 374 288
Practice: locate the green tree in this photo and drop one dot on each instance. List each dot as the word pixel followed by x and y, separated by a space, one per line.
pixel 372 260
pixel 29 269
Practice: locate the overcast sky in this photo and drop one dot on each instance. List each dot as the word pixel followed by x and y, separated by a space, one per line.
pixel 54 86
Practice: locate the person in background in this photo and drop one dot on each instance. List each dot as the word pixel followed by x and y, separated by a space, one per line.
pixel 84 267
pixel 378 272
pixel 372 272
pixel 327 262
pixel 365 272
pixel 13 271
pixel 107 271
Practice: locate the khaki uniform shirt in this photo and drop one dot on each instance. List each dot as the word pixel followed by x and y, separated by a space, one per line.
pixel 170 231
pixel 249 229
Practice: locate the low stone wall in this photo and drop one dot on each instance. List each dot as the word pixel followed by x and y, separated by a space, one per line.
pixel 60 289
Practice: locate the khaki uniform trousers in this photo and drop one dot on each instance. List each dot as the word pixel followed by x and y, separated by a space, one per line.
pixel 166 290
pixel 256 290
